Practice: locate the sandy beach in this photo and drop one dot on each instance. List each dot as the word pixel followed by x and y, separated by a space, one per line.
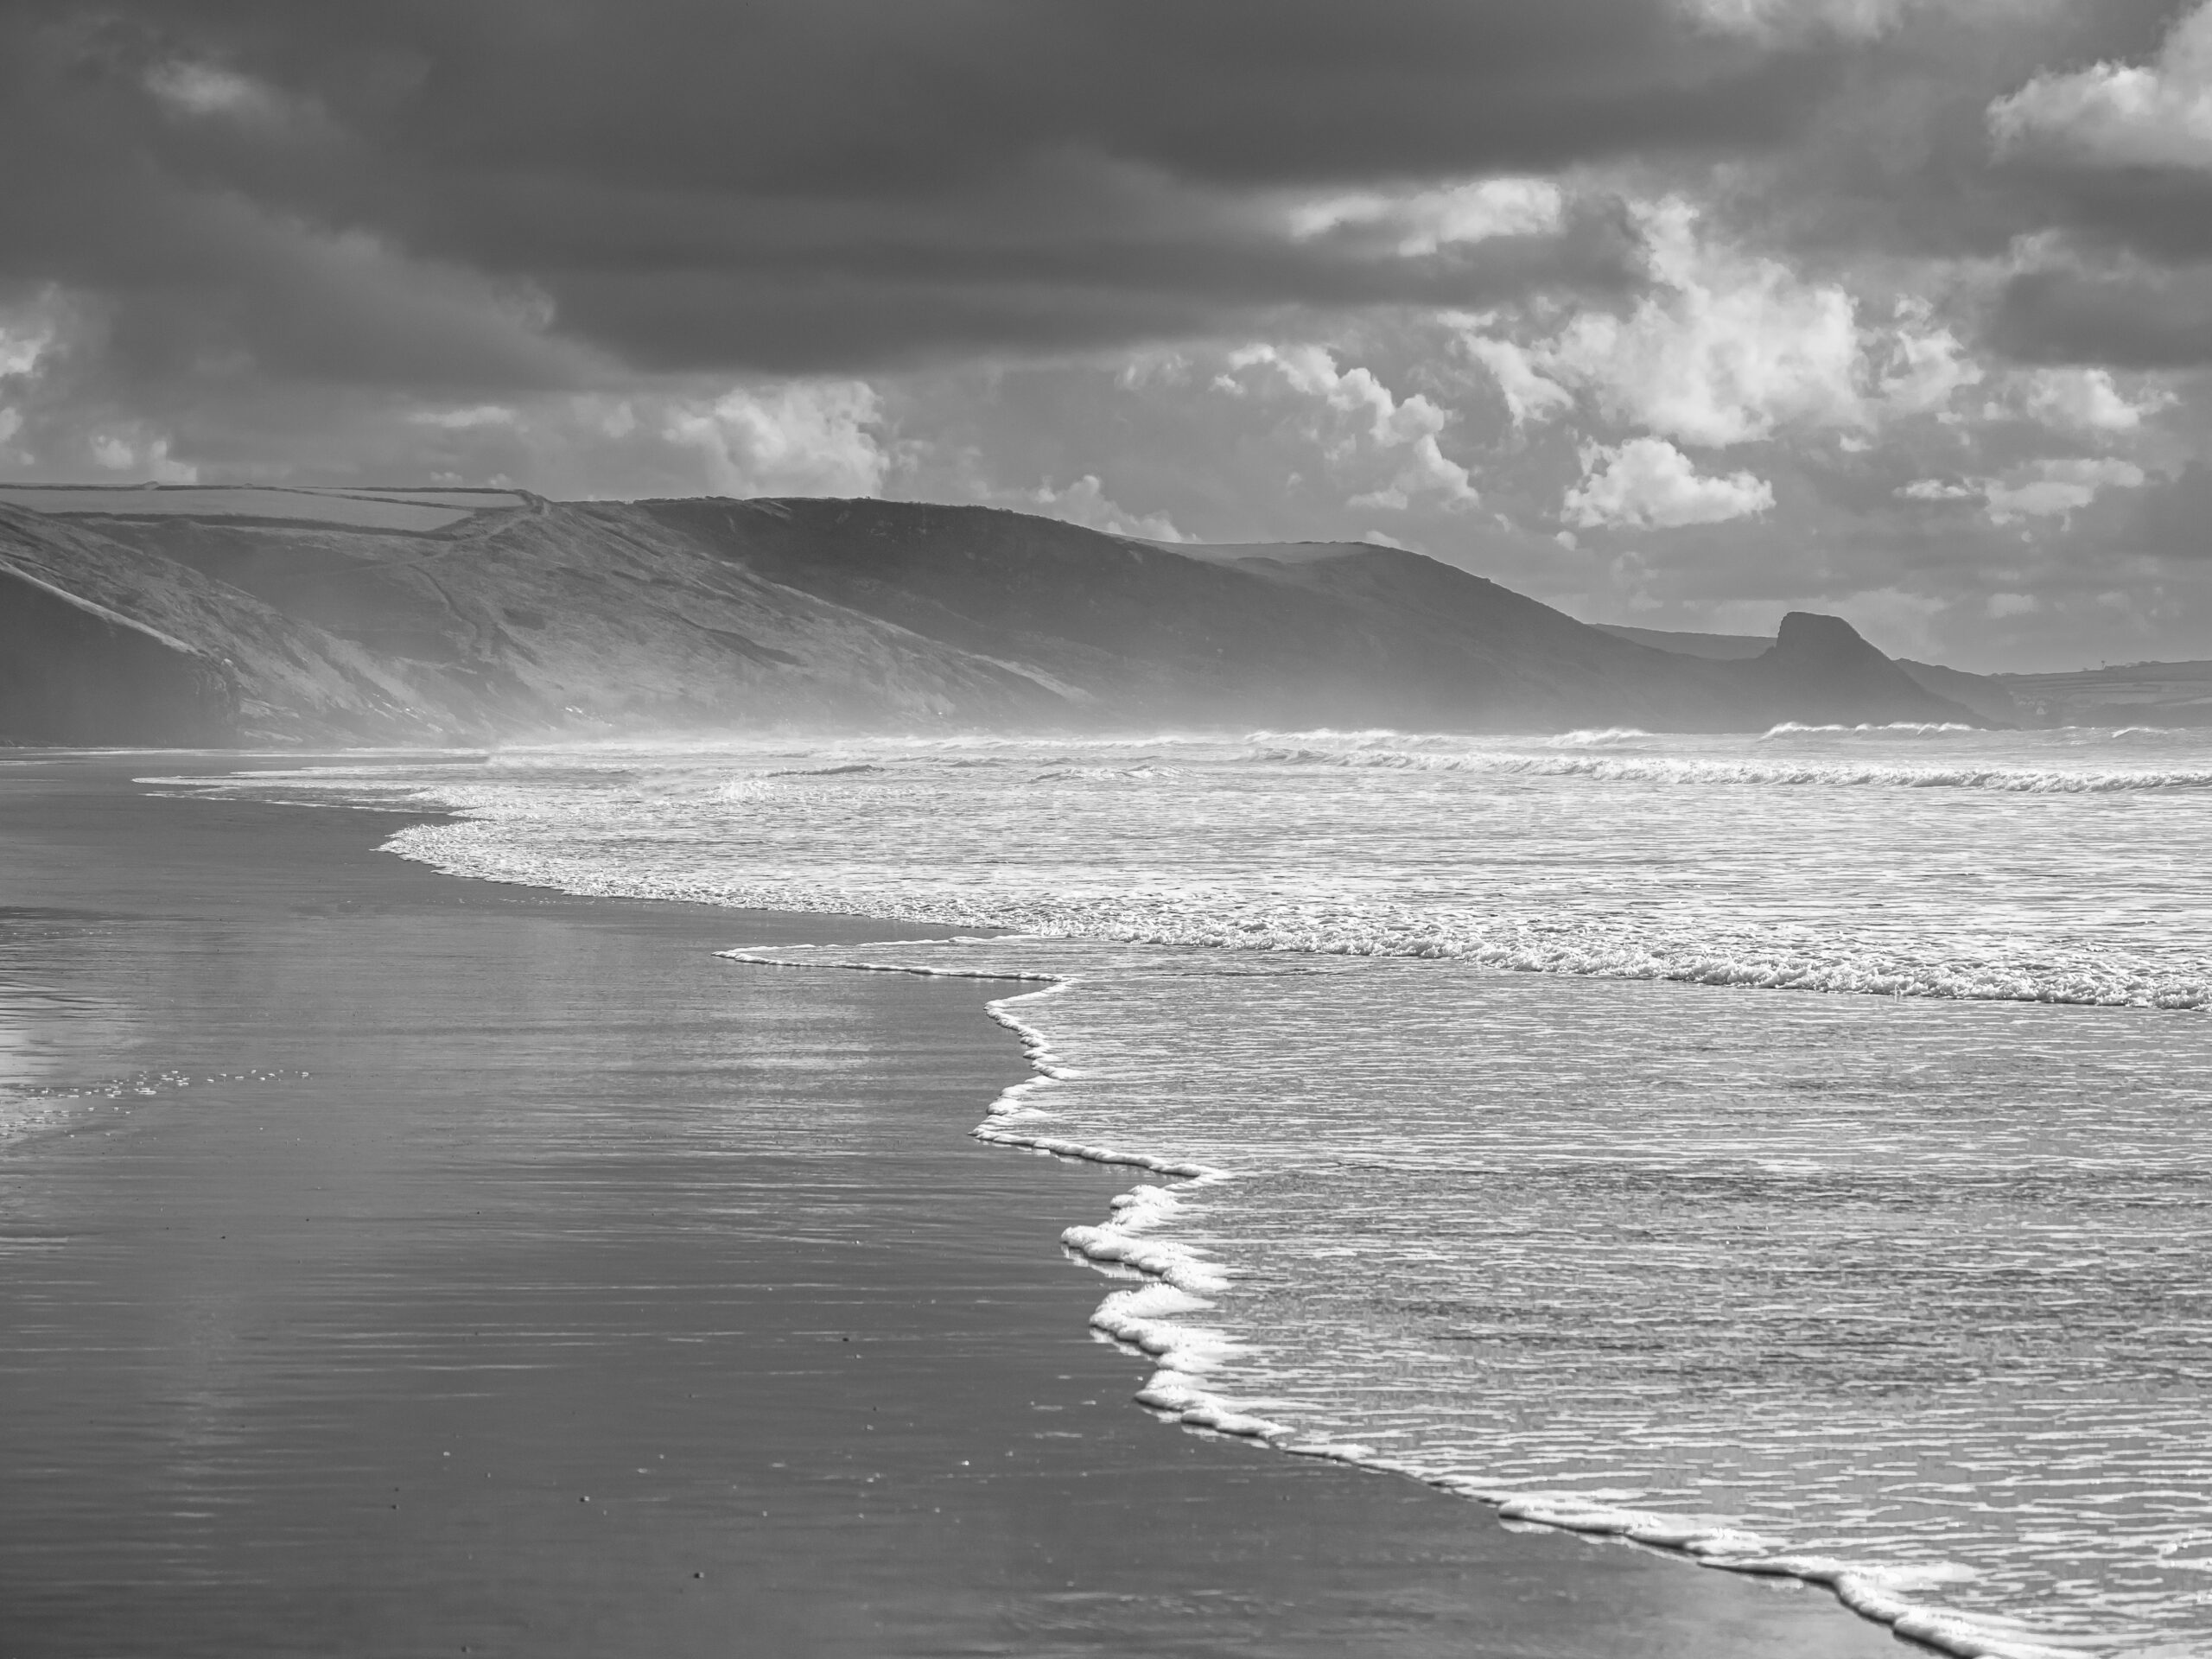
pixel 421 1266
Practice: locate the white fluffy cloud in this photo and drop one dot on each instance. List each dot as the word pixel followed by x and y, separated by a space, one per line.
pixel 1402 429
pixel 2122 115
pixel 2087 400
pixel 1940 489
pixel 814 437
pixel 1647 482
pixel 1530 395
pixel 1916 364
pixel 1729 348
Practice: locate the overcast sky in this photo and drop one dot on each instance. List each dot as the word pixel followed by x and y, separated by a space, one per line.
pixel 1675 312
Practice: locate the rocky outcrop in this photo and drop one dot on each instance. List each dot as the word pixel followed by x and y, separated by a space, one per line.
pixel 579 619
pixel 1821 672
pixel 1987 698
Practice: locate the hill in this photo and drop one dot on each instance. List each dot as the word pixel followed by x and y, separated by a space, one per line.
pixel 1988 695
pixel 2129 694
pixel 426 616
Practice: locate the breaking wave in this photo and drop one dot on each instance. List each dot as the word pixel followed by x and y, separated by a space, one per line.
pixel 1819 773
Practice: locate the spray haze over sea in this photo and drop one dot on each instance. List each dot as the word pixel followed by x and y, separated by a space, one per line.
pixel 1491 1134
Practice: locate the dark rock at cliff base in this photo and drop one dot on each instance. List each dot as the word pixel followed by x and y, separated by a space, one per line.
pixel 448 617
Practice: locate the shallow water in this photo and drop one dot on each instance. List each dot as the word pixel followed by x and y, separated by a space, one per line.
pixel 1902 1290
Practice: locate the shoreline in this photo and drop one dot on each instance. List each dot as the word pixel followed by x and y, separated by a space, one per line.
pixel 554 1117
pixel 1178 1395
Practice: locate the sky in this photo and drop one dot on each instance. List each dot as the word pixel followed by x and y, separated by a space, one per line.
pixel 1676 313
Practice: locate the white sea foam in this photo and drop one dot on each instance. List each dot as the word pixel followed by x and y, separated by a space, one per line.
pixel 1800 774
pixel 1897 1296
pixel 1219 1367
pixel 1896 728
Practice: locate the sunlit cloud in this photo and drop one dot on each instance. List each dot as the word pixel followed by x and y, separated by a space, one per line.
pixel 2155 114
pixel 1648 483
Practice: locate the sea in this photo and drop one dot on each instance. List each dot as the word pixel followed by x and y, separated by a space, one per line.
pixel 1791 1151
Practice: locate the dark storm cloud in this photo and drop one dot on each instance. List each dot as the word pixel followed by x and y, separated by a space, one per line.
pixel 809 184
pixel 1906 161
pixel 1901 159
pixel 2134 319
pixel 2160 213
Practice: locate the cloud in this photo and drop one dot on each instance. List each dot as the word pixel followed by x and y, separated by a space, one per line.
pixel 208 91
pixel 1084 502
pixel 1938 489
pixel 460 420
pixel 796 439
pixel 1727 348
pixel 141 457
pixel 2043 489
pixel 26 336
pixel 2054 488
pixel 1917 364
pixel 1647 482
pixel 1530 396
pixel 800 187
pixel 2114 114
pixel 2125 315
pixel 2087 401
pixel 1420 223
pixel 1404 429
pixel 1724 350
pixel 1780 20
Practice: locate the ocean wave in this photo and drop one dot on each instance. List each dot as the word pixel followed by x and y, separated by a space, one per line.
pixel 1987 897
pixel 1161 1319
pixel 1106 774
pixel 1740 956
pixel 1903 727
pixel 1596 736
pixel 1835 774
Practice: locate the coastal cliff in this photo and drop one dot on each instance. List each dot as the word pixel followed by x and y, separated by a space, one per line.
pixel 465 617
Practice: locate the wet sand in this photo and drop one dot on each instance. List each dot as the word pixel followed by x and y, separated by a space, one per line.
pixel 485 1271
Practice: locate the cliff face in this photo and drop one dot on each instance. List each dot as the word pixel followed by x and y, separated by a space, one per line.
pixel 542 619
pixel 74 672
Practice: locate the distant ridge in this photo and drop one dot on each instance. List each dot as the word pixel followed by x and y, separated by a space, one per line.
pixel 2128 693
pixel 1986 696
pixel 1715 647
pixel 512 617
